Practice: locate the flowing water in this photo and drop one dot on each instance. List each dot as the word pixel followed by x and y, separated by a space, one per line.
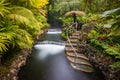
pixel 48 62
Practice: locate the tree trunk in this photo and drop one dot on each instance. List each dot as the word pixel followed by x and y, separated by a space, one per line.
pixel 74 17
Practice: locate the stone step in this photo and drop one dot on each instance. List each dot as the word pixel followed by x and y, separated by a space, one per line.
pixel 79 61
pixel 82 67
pixel 73 40
pixel 73 44
pixel 69 49
pixel 73 37
pixel 79 55
pixel 76 34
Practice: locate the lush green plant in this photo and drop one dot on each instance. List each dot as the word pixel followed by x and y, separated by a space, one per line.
pixel 103 41
pixel 20 21
pixel 108 39
pixel 98 6
pixel 67 21
pixel 64 35
pixel 66 6
pixel 69 30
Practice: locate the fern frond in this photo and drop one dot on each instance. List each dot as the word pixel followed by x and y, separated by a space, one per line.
pixel 23 39
pixel 24 15
pixel 3 9
pixel 3 44
pixel 19 19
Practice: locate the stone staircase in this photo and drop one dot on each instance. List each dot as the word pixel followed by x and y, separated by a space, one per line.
pixel 77 60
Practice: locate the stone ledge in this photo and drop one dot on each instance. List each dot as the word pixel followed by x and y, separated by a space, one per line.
pixel 16 64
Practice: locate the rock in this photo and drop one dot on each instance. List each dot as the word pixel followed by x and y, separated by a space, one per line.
pixel 87 27
pixel 15 78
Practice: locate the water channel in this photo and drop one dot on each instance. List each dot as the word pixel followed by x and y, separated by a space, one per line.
pixel 49 62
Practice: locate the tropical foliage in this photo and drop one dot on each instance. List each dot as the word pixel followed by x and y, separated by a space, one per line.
pixel 20 21
pixel 106 36
pixel 104 15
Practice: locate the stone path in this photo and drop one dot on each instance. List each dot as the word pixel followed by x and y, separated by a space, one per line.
pixel 77 60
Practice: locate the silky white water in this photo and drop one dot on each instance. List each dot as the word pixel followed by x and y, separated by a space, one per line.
pixel 48 49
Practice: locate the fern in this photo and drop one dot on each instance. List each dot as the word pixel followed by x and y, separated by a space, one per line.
pixel 25 19
pixel 17 18
pixel 3 9
pixel 3 44
pixel 23 39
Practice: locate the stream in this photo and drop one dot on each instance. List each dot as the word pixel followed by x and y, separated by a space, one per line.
pixel 48 62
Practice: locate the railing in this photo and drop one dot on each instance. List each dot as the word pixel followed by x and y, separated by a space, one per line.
pixel 70 42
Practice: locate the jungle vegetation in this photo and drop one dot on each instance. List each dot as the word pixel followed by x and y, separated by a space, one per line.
pixel 103 14
pixel 20 22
